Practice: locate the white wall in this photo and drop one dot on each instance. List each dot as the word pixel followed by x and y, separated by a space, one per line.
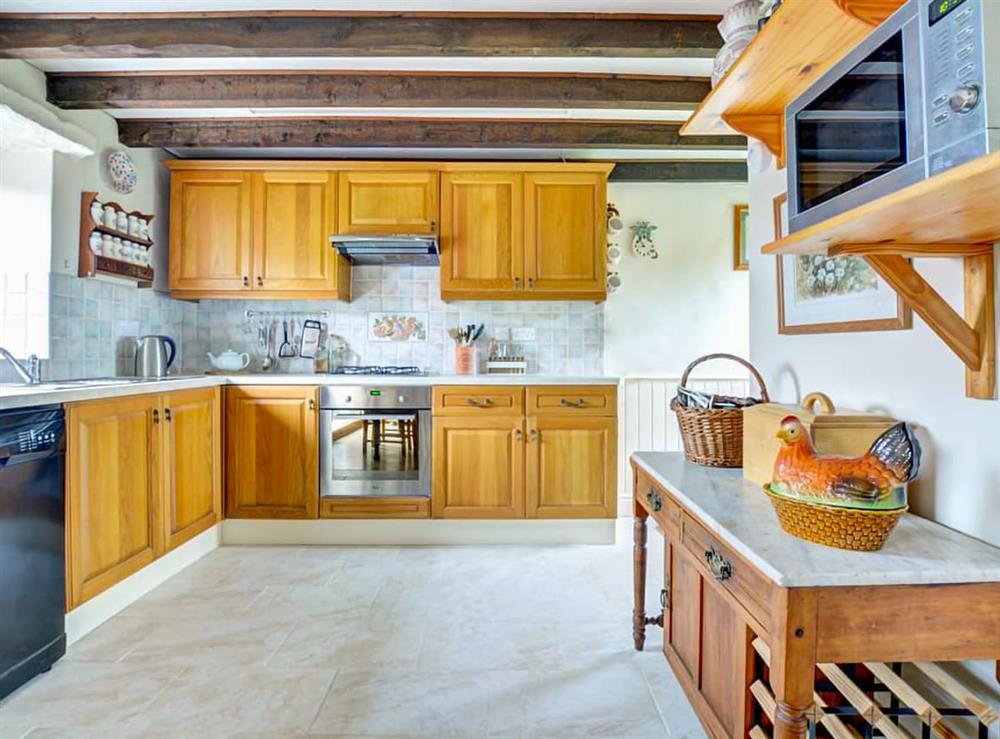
pixel 73 176
pixel 908 374
pixel 688 302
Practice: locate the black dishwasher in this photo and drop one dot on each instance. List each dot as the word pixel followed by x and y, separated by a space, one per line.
pixel 32 543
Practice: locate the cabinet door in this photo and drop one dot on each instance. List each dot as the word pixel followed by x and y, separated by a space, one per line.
pixel 478 467
pixel 294 217
pixel 482 233
pixel 571 471
pixel 683 641
pixel 210 231
pixel 272 467
pixel 723 636
pixel 564 217
pixel 192 463
pixel 113 506
pixel 387 202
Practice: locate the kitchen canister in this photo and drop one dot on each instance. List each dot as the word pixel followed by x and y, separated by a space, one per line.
pixel 465 360
pixel 110 216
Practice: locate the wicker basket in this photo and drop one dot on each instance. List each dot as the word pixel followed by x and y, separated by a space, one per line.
pixel 714 436
pixel 843 528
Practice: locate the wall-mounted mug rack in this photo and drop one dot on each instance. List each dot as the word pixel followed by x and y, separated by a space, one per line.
pixel 96 262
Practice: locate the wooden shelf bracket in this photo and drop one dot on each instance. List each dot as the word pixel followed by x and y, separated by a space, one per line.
pixel 972 337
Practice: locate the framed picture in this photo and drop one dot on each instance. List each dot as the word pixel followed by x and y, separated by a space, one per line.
pixel 819 294
pixel 397 327
pixel 740 215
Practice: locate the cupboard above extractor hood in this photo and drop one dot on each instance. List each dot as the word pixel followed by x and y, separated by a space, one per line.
pixel 390 249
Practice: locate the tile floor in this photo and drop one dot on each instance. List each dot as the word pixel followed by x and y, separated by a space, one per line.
pixel 362 642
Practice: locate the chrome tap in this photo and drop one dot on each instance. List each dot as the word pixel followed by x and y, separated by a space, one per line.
pixel 32 375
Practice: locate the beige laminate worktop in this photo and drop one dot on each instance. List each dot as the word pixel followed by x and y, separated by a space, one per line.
pixel 22 396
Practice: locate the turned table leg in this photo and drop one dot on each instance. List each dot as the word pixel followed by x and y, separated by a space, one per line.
pixel 793 663
pixel 639 578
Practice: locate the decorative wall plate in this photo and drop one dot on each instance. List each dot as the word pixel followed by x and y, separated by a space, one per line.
pixel 121 171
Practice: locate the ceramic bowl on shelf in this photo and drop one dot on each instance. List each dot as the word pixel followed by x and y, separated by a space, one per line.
pixel 740 20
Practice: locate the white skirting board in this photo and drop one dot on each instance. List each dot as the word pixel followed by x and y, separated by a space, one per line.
pixel 403 532
pixel 87 617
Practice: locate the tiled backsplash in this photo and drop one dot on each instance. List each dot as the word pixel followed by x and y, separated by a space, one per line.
pixel 91 323
pixel 569 335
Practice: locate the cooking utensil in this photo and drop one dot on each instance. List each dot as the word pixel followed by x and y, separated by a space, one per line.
pixel 309 341
pixel 265 331
pixel 286 350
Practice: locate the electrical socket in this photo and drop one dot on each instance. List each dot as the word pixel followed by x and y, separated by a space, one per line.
pixel 523 334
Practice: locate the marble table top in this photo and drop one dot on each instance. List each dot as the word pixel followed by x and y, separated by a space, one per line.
pixel 918 551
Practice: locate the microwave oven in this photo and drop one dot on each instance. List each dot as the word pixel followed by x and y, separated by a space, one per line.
pixel 919 95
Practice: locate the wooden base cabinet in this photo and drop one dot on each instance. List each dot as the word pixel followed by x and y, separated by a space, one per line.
pixel 192 451
pixel 272 461
pixel 143 476
pixel 478 467
pixel 516 452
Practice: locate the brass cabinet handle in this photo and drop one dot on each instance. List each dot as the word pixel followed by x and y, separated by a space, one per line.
pixel 312 404
pixel 517 434
pixel 533 436
pixel 654 500
pixel 484 403
pixel 721 568
pixel 517 282
pixel 168 415
pixel 531 282
pixel 434 226
pixel 156 416
pixel 665 598
pixel 260 282
pixel 246 281
pixel 573 403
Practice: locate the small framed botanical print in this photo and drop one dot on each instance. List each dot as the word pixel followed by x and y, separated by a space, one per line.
pixel 818 294
pixel 740 215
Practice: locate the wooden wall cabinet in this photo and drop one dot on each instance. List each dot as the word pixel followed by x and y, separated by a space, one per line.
pixel 388 201
pixel 482 234
pixel 514 452
pixel 272 462
pixel 564 243
pixel 255 234
pixel 523 235
pixel 144 475
pixel 210 222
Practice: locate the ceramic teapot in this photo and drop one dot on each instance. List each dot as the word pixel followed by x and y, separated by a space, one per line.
pixel 230 360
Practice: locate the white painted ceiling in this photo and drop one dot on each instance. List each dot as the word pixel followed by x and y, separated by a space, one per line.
pixel 692 7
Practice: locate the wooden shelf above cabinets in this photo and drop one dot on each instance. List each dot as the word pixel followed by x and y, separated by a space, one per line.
pixel 800 42
pixel 953 214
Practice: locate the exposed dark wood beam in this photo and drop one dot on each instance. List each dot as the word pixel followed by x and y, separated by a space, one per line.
pixel 304 34
pixel 412 132
pixel 679 171
pixel 373 89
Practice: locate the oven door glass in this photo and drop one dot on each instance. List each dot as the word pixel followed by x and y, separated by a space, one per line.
pixel 375 453
pixel 856 130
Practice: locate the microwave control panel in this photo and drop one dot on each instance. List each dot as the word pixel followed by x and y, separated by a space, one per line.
pixel 954 82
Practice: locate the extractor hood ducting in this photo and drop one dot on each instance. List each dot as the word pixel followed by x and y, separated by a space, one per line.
pixel 390 249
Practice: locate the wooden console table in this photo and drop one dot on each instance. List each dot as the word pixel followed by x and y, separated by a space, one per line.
pixel 733 577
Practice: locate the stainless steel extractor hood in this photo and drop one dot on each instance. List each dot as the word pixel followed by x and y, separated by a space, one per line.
pixel 401 249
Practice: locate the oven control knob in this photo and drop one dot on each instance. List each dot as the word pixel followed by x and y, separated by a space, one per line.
pixel 401 399
pixel 965 98
pixel 347 398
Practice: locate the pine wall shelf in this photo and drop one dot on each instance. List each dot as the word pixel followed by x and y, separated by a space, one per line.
pixel 800 42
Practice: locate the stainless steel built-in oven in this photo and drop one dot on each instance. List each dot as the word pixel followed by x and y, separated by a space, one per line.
pixel 918 95
pixel 375 440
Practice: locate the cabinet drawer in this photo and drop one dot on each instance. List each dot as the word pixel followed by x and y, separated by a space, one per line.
pixel 577 400
pixel 751 589
pixel 664 510
pixel 478 400
pixel 375 507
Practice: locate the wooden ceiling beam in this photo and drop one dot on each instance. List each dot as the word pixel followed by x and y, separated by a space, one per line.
pixel 412 132
pixel 368 89
pixel 679 171
pixel 305 35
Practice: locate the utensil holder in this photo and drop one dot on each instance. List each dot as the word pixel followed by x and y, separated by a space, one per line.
pixel 465 360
